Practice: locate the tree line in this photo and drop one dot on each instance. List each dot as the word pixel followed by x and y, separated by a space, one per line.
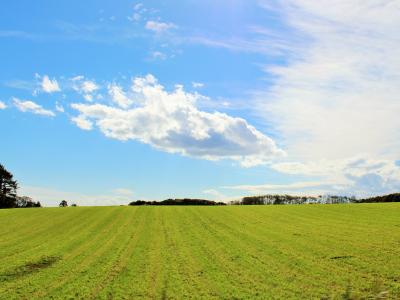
pixel 277 199
pixel 185 201
pixel 8 192
pixel 10 199
pixel 381 199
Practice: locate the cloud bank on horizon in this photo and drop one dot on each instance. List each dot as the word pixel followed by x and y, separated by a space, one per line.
pixel 328 114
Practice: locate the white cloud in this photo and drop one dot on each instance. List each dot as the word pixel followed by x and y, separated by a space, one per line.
pixel 49 86
pixel 77 78
pixel 29 106
pixel 197 85
pixel 138 6
pixel 171 122
pixel 2 105
pixel 138 11
pixel 123 192
pixel 215 194
pixel 59 107
pixel 135 17
pixel 336 99
pixel 89 86
pixel 118 96
pixel 158 55
pixel 339 94
pixel 88 97
pixel 85 87
pixel 82 122
pixel 309 188
pixel 159 27
pixel 52 197
pixel 359 176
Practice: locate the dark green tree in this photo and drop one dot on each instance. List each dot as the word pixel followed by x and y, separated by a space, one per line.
pixel 63 203
pixel 8 189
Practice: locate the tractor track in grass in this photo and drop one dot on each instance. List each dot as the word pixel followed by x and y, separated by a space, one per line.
pixel 242 252
pixel 33 245
pixel 31 286
pixel 73 259
pixel 90 252
pixel 122 256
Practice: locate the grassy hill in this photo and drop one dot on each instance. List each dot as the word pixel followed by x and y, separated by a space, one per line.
pixel 282 252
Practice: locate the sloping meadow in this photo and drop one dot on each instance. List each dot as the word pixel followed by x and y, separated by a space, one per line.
pixel 242 252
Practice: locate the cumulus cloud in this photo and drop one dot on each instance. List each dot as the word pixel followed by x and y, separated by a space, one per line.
pixel 2 105
pixel 88 97
pixel 118 96
pixel 49 85
pixel 85 87
pixel 171 122
pixel 32 107
pixel 89 86
pixel 159 27
pixel 82 122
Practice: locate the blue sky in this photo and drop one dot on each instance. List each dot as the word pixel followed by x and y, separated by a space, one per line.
pixel 107 102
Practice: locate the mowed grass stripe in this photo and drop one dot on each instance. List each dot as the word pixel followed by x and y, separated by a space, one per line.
pixel 329 265
pixel 274 252
pixel 119 257
pixel 338 268
pixel 71 256
pixel 87 259
pixel 245 251
pixel 58 233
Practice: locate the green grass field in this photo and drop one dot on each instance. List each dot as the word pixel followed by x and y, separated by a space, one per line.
pixel 233 252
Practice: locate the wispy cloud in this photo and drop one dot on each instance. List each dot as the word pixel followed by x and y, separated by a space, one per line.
pixel 2 105
pixel 311 188
pixel 59 107
pixel 158 55
pixel 21 84
pixel 336 97
pixel 197 85
pixel 361 175
pixel 32 107
pixel 19 34
pixel 52 197
pixel 159 27
pixel 339 96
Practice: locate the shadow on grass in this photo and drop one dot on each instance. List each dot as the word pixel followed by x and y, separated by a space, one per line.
pixel 341 257
pixel 29 268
